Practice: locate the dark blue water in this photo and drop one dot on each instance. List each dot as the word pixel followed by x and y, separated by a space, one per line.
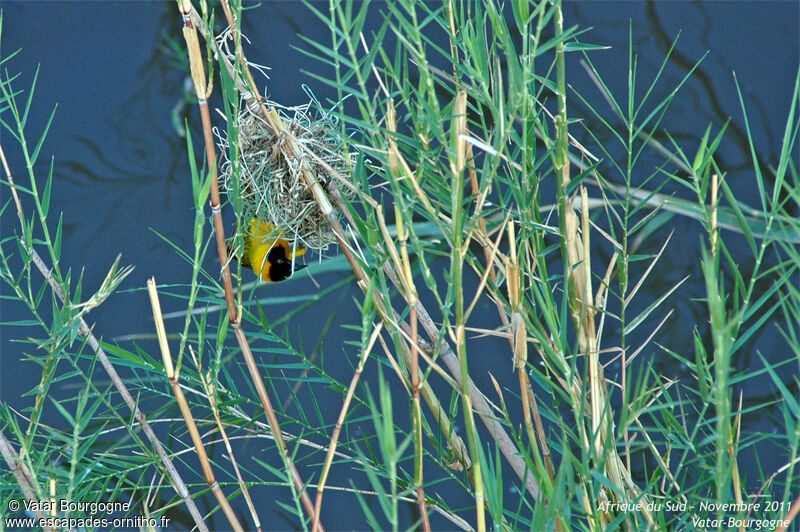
pixel 121 172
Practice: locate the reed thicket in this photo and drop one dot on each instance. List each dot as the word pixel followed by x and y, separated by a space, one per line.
pixel 472 177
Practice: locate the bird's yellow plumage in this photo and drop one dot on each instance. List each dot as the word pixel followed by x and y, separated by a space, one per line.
pixel 270 257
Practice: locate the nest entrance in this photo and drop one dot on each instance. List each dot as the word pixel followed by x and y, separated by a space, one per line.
pixel 271 185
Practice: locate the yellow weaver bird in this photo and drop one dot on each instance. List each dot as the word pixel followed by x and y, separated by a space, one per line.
pixel 270 257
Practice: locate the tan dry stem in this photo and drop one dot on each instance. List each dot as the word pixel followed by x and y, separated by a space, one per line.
pixel 196 63
pixel 402 235
pixel 219 231
pixel 410 295
pixel 208 472
pixel 602 423
pixel 161 333
pixel 209 388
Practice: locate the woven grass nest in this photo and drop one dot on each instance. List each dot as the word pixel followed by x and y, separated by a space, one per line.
pixel 271 185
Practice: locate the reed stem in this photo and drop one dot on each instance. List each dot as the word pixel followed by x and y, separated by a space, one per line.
pixel 203 92
pixel 86 332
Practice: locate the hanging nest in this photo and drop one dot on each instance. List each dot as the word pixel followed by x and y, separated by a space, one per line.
pixel 270 183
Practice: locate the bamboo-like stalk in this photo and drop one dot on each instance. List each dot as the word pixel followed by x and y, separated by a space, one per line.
pixel 173 377
pixel 412 299
pixel 487 254
pixel 208 386
pixel 203 92
pixel 402 265
pixel 85 331
pixel 576 256
pixel 518 337
pixel 519 345
pixel 456 267
pixel 518 340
